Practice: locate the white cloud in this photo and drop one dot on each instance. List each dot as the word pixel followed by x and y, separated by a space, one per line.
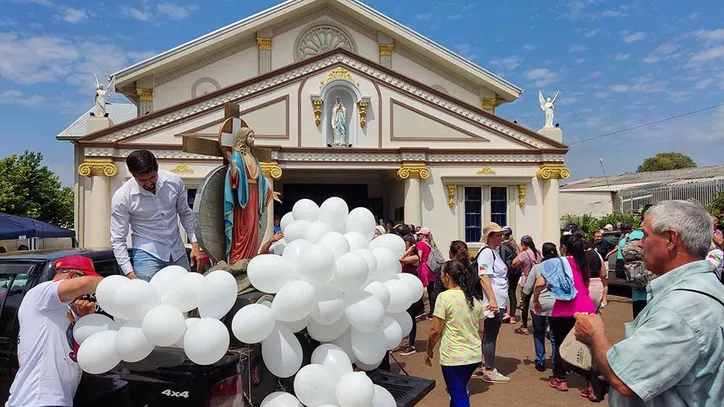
pixel 580 61
pixel 174 12
pixel 457 16
pixel 139 15
pixel 619 88
pixel 508 63
pixel 569 100
pixel 576 48
pixel 542 77
pixel 708 55
pixel 591 33
pixel 424 16
pixel 74 15
pixel 529 47
pixel 466 50
pixel 601 95
pixel 715 35
pixel 613 13
pixel 68 14
pixel 644 84
pixel 595 74
pixel 621 57
pixel 12 96
pixel 664 51
pixel 704 83
pixel 637 36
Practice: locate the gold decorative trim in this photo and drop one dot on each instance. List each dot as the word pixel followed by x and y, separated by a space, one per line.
pixel 144 94
pixel 264 44
pixel 98 168
pixel 490 103
pixel 413 171
pixel 521 195
pixel 271 170
pixel 553 171
pixel 386 49
pixel 362 105
pixel 451 188
pixel 337 73
pixel 182 168
pixel 317 104
pixel 486 171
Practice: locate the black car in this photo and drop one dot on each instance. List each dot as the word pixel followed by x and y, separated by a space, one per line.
pixel 166 377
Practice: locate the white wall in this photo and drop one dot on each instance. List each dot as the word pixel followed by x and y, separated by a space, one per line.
pixel 595 203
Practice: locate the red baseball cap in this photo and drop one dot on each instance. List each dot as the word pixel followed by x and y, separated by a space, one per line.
pixel 81 264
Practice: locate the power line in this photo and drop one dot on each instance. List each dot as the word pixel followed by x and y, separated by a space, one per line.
pixel 638 126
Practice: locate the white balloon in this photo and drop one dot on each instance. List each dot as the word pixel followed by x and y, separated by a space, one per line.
pixel 163 325
pixel 393 332
pixel 297 326
pixel 334 212
pixel 355 390
pixel 190 322
pixel 361 220
pixel 314 385
pixel 351 273
pixel 293 250
pixel 399 296
pixel 328 304
pixel 282 352
pixel 98 354
pixel 266 304
pixel 286 220
pixel 413 284
pixel 207 341
pixel 327 333
pixel 135 298
pixel 363 311
pixel 368 347
pixel 253 323
pixel 305 209
pixel 366 367
pixel 296 230
pixel 391 242
pixel 166 277
pixel 131 344
pixel 218 294
pixel 356 241
pixel 380 291
pixel 280 399
pixel 345 343
pixel 333 358
pixel 316 264
pixel 106 294
pixel 294 301
pixel 336 242
pixel 268 273
pixel 90 324
pixel 404 320
pixel 316 230
pixel 387 265
pixel 383 398
pixel 371 262
pixel 278 247
pixel 185 292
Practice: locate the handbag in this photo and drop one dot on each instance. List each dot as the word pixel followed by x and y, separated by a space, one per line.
pixel 576 353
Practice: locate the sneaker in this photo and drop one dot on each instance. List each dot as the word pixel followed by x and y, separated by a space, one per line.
pixel 480 371
pixel 512 320
pixel 558 384
pixel 540 366
pixel 407 350
pixel 495 377
pixel 585 393
pixel 521 331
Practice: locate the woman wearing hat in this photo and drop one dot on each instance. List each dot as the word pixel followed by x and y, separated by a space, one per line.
pixel 492 272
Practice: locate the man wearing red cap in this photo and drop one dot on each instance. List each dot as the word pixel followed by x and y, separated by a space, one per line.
pixel 49 374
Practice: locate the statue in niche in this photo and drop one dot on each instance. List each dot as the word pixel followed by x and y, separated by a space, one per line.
pixel 547 105
pixel 339 124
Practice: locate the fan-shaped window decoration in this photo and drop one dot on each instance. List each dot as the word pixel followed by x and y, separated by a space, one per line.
pixel 320 39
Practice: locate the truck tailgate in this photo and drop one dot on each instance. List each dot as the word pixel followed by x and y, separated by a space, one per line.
pixel 407 390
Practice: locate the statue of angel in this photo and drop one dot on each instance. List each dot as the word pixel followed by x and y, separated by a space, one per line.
pixel 547 106
pixel 99 110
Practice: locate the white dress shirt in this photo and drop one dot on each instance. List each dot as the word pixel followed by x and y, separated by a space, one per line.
pixel 153 219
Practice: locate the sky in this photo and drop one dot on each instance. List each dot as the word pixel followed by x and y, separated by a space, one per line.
pixel 616 64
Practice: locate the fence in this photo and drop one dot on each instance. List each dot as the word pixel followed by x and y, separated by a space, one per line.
pixel 630 200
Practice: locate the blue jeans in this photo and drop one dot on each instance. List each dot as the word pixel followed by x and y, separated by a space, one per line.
pixel 456 380
pixel 539 338
pixel 146 265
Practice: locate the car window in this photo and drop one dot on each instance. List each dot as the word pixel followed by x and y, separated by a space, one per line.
pixel 12 296
pixel 107 267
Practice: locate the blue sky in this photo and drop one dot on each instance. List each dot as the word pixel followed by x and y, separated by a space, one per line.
pixel 617 65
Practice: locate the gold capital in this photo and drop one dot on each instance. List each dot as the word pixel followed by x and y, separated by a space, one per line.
pixel 451 195
pixel 145 94
pixel 271 170
pixel 553 171
pixel 386 49
pixel 317 104
pixel 264 44
pixel 490 103
pixel 362 105
pixel 98 168
pixel 521 195
pixel 181 168
pixel 413 171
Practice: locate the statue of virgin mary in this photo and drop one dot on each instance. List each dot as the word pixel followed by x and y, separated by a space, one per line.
pixel 339 123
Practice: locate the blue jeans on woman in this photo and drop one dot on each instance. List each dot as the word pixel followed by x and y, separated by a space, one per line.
pixel 146 266
pixel 539 339
pixel 456 380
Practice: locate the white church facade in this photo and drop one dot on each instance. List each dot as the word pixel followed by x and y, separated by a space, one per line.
pixel 422 142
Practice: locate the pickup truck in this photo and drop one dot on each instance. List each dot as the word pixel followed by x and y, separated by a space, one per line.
pixel 166 377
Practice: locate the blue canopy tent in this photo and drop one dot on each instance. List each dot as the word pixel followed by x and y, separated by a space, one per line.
pixel 18 227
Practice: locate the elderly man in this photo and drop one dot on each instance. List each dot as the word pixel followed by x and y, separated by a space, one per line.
pixel 49 374
pixel 673 354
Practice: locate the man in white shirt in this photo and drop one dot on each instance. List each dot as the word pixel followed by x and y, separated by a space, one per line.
pixel 49 374
pixel 151 203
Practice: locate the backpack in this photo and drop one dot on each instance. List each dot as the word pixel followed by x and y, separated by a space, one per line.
pixel 508 253
pixel 435 260
pixel 633 267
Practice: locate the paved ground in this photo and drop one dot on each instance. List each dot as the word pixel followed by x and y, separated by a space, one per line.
pixel 515 356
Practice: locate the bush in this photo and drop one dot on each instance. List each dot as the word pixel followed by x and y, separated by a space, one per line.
pixel 716 207
pixel 589 224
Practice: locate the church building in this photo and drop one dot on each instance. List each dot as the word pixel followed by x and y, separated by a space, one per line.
pixel 350 103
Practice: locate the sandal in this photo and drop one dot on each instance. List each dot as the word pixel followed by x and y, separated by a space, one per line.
pixel 521 331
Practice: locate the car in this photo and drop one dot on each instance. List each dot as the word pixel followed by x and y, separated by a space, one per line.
pixel 166 377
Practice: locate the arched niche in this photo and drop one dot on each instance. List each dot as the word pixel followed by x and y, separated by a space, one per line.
pixel 348 91
pixel 204 86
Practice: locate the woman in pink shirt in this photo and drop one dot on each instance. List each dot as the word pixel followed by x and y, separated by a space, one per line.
pixel 424 247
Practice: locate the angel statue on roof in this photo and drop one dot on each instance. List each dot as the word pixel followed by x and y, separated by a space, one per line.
pixel 547 106
pixel 102 93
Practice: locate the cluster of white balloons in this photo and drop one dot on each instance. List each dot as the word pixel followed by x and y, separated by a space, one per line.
pixel 331 277
pixel 147 315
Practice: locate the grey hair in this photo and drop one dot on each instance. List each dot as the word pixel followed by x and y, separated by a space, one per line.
pixel 689 219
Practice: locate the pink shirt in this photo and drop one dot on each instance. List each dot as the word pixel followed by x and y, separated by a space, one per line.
pixel 581 303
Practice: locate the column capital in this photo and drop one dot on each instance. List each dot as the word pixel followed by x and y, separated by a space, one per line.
pixel 145 94
pixel 413 171
pixel 553 171
pixel 385 49
pixel 490 103
pixel 98 168
pixel 264 44
pixel 271 170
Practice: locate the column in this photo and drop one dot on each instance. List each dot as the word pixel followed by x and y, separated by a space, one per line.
pixel 145 101
pixel 412 174
pixel 99 209
pixel 386 54
pixel 271 172
pixel 265 58
pixel 549 174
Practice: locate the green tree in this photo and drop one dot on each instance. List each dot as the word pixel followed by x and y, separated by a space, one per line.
pixel 666 161
pixel 30 189
pixel 716 207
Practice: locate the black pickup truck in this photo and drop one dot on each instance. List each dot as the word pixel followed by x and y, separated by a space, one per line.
pixel 166 377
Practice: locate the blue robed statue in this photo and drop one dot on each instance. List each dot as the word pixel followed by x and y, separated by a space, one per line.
pixel 339 123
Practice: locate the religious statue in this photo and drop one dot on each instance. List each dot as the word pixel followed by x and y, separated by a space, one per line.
pixel 339 123
pixel 99 109
pixel 246 197
pixel 547 106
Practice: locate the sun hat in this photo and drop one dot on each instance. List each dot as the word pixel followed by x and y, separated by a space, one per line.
pixel 81 264
pixel 491 227
pixel 423 231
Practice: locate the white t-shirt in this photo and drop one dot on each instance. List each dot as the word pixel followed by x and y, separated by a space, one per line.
pixel 47 375
pixel 715 258
pixel 492 264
